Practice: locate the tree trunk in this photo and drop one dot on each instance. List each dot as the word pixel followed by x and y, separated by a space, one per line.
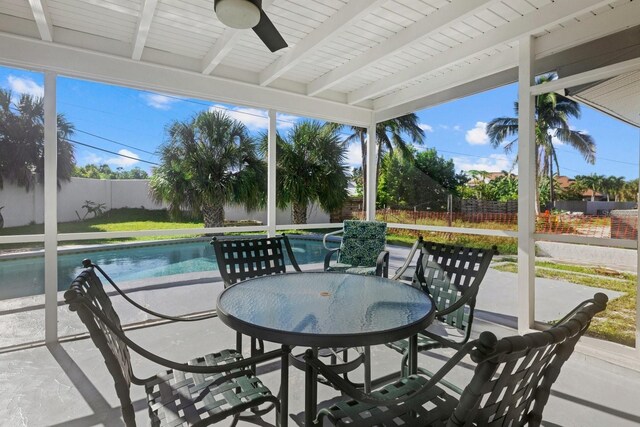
pixel 213 215
pixel 363 147
pixel 551 189
pixel 298 214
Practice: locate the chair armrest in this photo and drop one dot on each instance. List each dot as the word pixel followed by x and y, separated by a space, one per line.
pixel 347 388
pixel 87 263
pixel 327 257
pixel 170 363
pixel 333 233
pixel 407 261
pixel 458 304
pixel 292 257
pixel 441 340
pixel 382 264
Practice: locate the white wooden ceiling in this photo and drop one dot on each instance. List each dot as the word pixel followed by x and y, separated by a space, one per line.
pixel 370 53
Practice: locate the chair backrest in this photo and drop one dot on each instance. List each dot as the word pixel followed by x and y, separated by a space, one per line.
pixel 242 259
pixel 86 296
pixel 513 378
pixel 450 274
pixel 362 242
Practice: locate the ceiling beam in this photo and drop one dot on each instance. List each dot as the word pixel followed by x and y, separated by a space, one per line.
pixel 569 45
pixel 430 24
pixel 352 12
pixel 24 52
pixel 43 19
pixel 220 49
pixel 534 22
pixel 142 30
pixel 224 44
pixel 590 76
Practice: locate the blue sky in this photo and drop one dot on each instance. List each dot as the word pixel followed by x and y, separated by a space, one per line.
pixel 137 119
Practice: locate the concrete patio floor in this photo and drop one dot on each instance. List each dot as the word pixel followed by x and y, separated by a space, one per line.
pixel 67 384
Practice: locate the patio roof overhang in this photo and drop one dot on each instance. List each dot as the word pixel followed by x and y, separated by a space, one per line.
pixel 355 62
pixel 344 59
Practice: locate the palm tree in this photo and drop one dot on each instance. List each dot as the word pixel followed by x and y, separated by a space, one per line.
pixel 22 141
pixel 552 112
pixel 208 162
pixel 613 186
pixel 389 136
pixel 311 169
pixel 629 191
pixel 593 182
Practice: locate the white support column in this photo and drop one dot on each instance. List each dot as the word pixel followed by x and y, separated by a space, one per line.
pixel 638 268
pixel 526 187
pixel 50 209
pixel 372 161
pixel 271 175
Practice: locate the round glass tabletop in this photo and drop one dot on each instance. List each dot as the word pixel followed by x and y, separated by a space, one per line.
pixel 325 309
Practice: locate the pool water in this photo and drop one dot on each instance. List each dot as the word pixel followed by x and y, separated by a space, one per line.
pixel 25 276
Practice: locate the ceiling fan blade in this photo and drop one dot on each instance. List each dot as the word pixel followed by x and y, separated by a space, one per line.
pixel 269 34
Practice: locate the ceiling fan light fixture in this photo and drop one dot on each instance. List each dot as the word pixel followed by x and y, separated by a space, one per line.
pixel 239 14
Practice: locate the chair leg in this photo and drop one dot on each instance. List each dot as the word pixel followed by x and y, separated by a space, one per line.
pixel 345 359
pixel 367 369
pixel 310 391
pixel 282 419
pixel 404 364
pixel 239 342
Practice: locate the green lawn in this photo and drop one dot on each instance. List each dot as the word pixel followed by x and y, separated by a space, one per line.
pixel 130 219
pixel 114 220
pixel 618 322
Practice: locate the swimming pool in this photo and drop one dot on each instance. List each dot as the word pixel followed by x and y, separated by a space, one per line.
pixel 25 276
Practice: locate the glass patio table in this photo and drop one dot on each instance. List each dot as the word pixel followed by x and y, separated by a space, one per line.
pixel 326 309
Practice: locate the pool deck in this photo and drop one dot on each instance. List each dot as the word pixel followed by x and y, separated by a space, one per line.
pixel 67 383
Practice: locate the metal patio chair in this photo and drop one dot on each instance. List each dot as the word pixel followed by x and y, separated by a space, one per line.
pixel 362 250
pixel 452 276
pixel 202 391
pixel 511 383
pixel 245 258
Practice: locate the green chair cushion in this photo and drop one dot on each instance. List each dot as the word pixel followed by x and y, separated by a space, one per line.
pixel 365 271
pixel 362 242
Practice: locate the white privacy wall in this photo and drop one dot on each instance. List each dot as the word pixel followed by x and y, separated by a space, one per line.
pixel 22 208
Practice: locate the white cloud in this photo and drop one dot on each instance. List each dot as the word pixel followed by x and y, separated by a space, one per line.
pixel 354 155
pixel 491 163
pixel 425 127
pixel 457 128
pixel 113 162
pixel 25 86
pixel 123 161
pixel 477 135
pixel 91 158
pixel 255 119
pixel 159 101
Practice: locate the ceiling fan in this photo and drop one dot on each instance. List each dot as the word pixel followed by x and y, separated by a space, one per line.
pixel 244 14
